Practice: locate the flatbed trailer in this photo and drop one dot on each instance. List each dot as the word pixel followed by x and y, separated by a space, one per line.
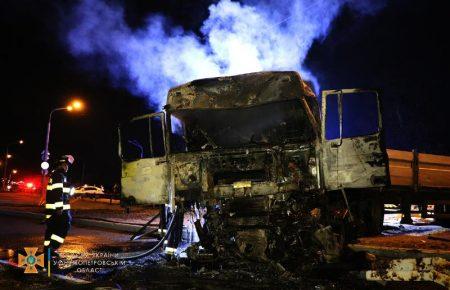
pixel 421 179
pixel 404 265
pixel 421 170
pixel 406 258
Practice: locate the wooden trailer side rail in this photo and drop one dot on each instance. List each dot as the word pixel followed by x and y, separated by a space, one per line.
pixel 410 168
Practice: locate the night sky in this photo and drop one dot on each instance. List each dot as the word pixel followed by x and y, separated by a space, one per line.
pixel 402 50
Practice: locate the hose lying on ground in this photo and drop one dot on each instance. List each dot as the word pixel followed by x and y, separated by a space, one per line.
pixel 140 254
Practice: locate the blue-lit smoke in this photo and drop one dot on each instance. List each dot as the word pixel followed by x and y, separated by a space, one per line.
pixel 236 38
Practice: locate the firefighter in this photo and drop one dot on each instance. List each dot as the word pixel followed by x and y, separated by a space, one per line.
pixel 57 207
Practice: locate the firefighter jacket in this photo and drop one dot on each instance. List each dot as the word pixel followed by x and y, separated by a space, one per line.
pixel 58 193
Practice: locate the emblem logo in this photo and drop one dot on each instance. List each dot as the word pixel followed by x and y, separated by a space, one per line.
pixel 31 260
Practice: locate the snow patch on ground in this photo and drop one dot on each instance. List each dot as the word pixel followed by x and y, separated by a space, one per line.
pixel 419 227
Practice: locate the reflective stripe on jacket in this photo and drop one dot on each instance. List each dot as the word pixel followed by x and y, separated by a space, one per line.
pixel 58 193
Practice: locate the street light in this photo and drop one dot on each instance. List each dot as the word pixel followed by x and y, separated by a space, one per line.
pixel 75 105
pixel 8 156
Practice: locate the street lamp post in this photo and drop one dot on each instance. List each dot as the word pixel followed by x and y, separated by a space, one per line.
pixel 47 138
pixel 75 105
pixel 8 156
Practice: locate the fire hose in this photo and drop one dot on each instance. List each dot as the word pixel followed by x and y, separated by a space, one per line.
pixel 138 254
pixel 141 254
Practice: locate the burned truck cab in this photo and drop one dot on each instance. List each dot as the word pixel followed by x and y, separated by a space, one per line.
pixel 248 157
pixel 250 144
pixel 244 136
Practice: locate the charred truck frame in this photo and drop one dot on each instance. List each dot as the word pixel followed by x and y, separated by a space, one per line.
pixel 264 176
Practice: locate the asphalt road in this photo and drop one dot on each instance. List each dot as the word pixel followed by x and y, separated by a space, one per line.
pixel 17 233
pixel 82 245
pixel 149 273
pixel 19 198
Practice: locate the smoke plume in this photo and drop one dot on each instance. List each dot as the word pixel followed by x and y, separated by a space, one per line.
pixel 237 37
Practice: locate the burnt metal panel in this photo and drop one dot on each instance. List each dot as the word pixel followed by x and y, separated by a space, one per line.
pixel 238 91
pixel 147 180
pixel 356 162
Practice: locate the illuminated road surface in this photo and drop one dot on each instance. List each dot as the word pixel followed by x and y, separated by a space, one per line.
pixel 150 273
pixel 17 233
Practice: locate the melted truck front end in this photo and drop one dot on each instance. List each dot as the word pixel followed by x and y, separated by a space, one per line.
pixel 246 158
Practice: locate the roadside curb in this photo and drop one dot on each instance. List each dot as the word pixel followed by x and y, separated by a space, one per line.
pixel 78 221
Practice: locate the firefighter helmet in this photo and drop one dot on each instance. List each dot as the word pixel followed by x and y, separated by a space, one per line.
pixel 66 159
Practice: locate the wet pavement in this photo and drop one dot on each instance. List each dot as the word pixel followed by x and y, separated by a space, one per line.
pixel 82 248
pixel 153 272
pixel 17 233
pixel 86 249
pixel 101 209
